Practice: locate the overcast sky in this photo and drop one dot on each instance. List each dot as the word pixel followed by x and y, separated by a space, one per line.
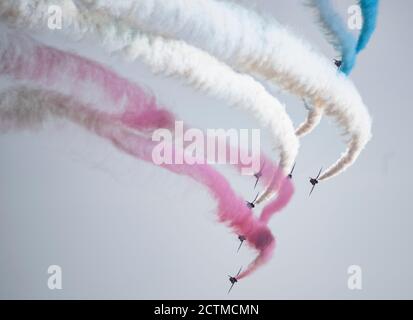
pixel 69 198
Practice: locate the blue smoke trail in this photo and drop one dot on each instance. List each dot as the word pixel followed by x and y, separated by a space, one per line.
pixel 369 10
pixel 339 35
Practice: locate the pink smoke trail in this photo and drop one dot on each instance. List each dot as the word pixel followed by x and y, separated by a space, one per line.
pixel 244 223
pixel 21 107
pixel 23 58
pixel 283 198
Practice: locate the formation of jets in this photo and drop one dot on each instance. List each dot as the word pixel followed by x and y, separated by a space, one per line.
pixel 258 175
pixel 251 205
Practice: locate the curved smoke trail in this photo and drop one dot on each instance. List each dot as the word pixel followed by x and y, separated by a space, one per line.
pixel 338 33
pixel 341 38
pixel 259 45
pixel 369 10
pixel 173 58
pixel 24 107
pixel 313 119
pixel 24 59
pixel 275 178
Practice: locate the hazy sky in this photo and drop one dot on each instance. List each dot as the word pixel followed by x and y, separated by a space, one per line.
pixel 71 199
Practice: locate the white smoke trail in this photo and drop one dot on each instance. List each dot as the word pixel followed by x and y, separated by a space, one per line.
pixel 23 106
pixel 26 108
pixel 313 119
pixel 256 44
pixel 171 58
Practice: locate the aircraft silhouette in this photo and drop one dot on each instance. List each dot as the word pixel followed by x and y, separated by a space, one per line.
pixel 337 63
pixel 290 175
pixel 233 280
pixel 258 175
pixel 252 203
pixel 241 239
pixel 307 105
pixel 314 181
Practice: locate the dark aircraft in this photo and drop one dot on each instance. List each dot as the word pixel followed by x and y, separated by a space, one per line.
pixel 242 239
pixel 233 280
pixel 290 175
pixel 252 203
pixel 337 63
pixel 257 176
pixel 314 181
pixel 307 105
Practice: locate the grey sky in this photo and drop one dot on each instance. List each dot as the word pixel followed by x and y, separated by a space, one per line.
pixel 71 199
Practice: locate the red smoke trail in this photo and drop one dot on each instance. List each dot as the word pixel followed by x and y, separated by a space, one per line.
pixel 257 235
pixel 283 198
pixel 19 105
pixel 23 58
